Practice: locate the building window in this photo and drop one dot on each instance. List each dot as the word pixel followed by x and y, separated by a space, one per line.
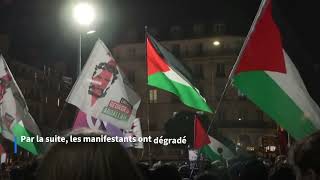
pixel 198 71
pixel 176 50
pixel 219 28
pixel 153 96
pixel 221 115
pixel 218 90
pixel 259 115
pixel 131 51
pixel 199 49
pixel 220 70
pixel 58 102
pixel 242 114
pixel 241 95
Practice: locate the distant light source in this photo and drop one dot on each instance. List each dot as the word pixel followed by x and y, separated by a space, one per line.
pixel 91 32
pixel 84 13
pixel 216 43
pixel 271 148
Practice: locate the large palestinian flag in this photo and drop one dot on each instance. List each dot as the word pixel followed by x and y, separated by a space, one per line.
pixel 268 77
pixel 167 73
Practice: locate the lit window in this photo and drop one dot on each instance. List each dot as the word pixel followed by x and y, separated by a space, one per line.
pixel 153 96
pixel 270 148
pixel 58 102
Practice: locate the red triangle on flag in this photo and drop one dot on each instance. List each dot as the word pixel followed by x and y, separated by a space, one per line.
pixel 201 137
pixel 263 52
pixel 155 62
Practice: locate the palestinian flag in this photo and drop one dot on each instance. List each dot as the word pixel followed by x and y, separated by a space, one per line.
pixel 217 150
pixel 167 73
pixel 268 77
pixel 201 137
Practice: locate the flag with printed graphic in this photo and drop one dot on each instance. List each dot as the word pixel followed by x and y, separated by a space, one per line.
pixel 86 121
pixel 102 91
pixel 15 120
pixel 135 131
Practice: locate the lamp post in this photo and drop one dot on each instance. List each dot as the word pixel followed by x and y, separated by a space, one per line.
pixel 84 15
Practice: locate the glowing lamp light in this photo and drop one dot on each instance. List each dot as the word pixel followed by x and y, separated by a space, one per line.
pixel 84 13
pixel 91 32
pixel 216 43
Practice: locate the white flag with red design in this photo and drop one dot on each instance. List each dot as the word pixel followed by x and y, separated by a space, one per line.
pixel 135 131
pixel 15 120
pixel 102 90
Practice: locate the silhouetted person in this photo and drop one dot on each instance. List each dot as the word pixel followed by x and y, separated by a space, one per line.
pixel 306 159
pixel 86 161
pixel 165 172
pixel 282 172
pixel 253 170
pixel 144 169
pixel 207 176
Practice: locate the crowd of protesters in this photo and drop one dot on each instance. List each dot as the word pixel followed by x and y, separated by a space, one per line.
pixel 104 161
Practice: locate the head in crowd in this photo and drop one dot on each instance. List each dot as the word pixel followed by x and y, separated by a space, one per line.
pixel 144 169
pixel 305 158
pixel 282 172
pixel 165 172
pixel 184 171
pixel 83 161
pixel 253 170
pixel 207 176
pixel 234 170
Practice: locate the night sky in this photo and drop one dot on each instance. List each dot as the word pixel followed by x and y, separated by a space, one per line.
pixel 44 31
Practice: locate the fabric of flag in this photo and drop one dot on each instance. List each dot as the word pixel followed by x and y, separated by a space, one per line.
pixel 216 150
pixel 85 121
pixel 267 76
pixel 167 73
pixel 201 137
pixel 16 121
pixel 102 90
pixel 135 131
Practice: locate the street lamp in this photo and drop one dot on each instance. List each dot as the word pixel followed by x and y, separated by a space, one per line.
pixel 84 15
pixel 91 32
pixel 216 43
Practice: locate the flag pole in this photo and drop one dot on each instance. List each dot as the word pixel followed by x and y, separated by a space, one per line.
pixel 252 28
pixel 147 95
